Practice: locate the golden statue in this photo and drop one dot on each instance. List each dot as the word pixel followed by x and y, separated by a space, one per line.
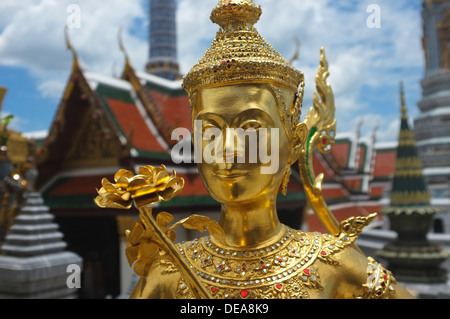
pixel 243 83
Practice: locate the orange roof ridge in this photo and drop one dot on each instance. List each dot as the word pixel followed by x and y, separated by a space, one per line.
pixel 164 128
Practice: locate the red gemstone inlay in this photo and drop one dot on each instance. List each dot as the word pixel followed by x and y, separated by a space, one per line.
pixel 278 286
pixel 306 271
pixel 213 289
pixel 244 293
pixel 324 141
pixel 323 253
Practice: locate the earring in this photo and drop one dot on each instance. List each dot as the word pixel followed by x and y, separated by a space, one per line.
pixel 287 175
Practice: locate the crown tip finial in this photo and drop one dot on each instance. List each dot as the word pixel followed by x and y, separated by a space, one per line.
pixel 229 14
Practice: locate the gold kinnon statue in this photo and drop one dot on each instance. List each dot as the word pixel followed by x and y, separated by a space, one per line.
pixel 243 83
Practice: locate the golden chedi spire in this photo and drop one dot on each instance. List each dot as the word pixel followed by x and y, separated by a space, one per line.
pixel 409 192
pixel 411 257
pixel 229 14
pixel 239 53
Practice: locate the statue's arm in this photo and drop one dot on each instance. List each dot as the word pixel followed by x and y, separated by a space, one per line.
pixel 368 279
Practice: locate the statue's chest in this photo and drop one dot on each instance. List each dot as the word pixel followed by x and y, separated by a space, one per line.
pixel 285 269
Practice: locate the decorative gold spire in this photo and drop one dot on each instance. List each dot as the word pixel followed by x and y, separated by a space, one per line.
pixel 75 63
pixel 239 53
pixel 121 46
pixel 2 95
pixel 402 102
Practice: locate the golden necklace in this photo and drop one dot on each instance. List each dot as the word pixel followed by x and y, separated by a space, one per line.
pixel 284 269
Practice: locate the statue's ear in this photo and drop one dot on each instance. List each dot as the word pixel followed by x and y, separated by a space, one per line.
pixel 299 138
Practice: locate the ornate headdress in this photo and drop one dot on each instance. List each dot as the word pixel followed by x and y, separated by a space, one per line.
pixel 239 54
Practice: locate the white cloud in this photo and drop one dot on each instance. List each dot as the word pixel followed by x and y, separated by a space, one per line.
pixel 34 36
pixel 390 131
pixel 51 88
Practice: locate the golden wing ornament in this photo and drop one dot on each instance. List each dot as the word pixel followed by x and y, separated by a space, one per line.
pixel 321 125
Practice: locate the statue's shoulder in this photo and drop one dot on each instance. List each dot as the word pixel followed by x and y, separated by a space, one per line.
pixel 349 231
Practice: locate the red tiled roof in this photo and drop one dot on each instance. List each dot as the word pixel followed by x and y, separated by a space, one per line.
pixel 193 185
pixel 340 152
pixel 176 110
pixel 330 193
pixel 129 117
pixel 320 166
pixel 385 163
pixel 353 183
pixel 341 214
pixel 377 191
pixel 81 185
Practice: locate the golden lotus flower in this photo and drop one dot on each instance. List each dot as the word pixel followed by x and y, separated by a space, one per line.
pixel 152 185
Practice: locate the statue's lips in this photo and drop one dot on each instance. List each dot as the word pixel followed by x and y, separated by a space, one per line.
pixel 230 174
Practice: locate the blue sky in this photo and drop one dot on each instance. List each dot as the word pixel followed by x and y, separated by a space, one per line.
pixel 366 64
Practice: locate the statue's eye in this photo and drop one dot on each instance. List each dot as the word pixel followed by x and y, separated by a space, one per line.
pixel 251 125
pixel 209 131
pixel 207 127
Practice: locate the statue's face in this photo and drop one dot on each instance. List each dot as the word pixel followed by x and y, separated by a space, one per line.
pixel 236 168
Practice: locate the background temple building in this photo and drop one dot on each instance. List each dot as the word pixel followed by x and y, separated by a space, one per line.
pixel 104 124
pixel 432 126
pixel 163 40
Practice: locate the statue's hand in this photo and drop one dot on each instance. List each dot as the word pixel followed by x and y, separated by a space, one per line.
pixel 144 247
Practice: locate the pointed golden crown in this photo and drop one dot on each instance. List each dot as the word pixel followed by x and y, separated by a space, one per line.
pixel 239 53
